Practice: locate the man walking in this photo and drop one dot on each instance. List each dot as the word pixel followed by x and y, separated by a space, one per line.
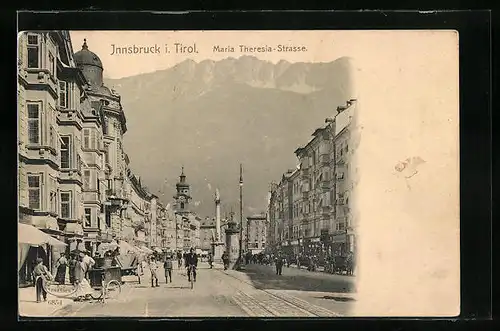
pixel 168 265
pixel 279 264
pixel 41 273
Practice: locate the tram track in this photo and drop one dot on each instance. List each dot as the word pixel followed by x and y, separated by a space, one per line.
pixel 275 305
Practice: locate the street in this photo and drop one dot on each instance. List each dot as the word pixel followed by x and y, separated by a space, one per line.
pixel 256 292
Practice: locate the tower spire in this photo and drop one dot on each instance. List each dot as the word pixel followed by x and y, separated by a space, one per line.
pixel 84 46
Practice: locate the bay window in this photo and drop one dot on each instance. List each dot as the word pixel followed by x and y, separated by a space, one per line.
pixel 93 139
pixel 63 94
pixel 53 195
pixel 86 179
pixel 86 138
pixel 66 205
pixel 33 51
pixel 35 191
pixel 65 152
pixel 34 123
pixel 52 65
pixel 88 217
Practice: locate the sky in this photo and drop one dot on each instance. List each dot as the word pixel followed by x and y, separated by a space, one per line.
pixel 321 46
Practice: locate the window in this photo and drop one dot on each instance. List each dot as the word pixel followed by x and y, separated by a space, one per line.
pixel 63 94
pixel 34 191
pixel 33 51
pixel 86 138
pixel 65 152
pixel 34 123
pixel 106 153
pixel 66 205
pixel 52 65
pixel 108 219
pixel 88 217
pixel 53 195
pixel 86 179
pixel 52 137
pixel 93 141
pixel 340 226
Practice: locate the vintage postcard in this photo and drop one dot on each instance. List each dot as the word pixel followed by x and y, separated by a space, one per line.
pixel 238 173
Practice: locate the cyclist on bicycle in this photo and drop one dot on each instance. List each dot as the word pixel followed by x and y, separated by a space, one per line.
pixel 191 262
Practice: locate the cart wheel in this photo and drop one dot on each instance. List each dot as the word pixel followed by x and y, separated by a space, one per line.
pixel 113 289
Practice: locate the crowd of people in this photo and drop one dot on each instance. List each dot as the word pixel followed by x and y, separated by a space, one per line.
pixel 338 264
pixel 77 265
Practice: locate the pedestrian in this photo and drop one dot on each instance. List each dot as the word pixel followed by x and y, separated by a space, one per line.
pixel 279 264
pixel 88 263
pixel 83 289
pixel 60 267
pixel 167 265
pixel 210 260
pixel 179 259
pixel 72 268
pixel 225 260
pixel 153 267
pixel 41 273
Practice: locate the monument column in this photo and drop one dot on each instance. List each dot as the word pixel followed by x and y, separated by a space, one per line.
pixel 218 245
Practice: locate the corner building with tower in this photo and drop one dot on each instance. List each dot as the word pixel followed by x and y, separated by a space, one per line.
pixel 74 180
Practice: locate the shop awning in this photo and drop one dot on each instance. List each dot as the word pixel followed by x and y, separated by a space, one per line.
pixel 158 250
pixel 51 224
pixel 74 228
pixel 104 247
pixel 28 234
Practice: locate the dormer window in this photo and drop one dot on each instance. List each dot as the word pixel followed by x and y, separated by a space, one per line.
pixel 63 94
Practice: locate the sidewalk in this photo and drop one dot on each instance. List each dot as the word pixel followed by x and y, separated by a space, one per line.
pixel 28 307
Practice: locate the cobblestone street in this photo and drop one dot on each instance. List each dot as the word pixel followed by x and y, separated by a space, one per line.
pixel 221 293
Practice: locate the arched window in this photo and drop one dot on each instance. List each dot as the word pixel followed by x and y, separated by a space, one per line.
pixel 182 205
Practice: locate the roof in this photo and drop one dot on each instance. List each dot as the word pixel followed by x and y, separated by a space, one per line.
pixel 86 57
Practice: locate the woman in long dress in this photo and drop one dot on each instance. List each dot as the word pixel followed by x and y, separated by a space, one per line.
pixel 83 288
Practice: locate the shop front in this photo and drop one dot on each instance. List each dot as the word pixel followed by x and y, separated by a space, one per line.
pixel 32 244
pixel 339 245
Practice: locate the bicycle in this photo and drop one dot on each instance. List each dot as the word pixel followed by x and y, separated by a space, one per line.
pixel 191 275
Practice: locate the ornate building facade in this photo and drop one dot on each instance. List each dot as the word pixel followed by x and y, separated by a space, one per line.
pixel 309 208
pixel 74 181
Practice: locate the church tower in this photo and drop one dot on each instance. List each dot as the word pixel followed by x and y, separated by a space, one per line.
pixel 182 197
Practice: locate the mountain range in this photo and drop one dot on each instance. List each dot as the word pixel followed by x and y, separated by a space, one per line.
pixel 213 115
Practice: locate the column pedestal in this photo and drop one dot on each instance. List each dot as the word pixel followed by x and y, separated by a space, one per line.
pixel 218 250
pixel 232 245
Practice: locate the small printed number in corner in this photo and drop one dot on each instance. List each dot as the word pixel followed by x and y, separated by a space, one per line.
pixel 55 302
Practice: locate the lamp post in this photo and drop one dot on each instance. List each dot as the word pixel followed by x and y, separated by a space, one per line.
pixel 241 214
